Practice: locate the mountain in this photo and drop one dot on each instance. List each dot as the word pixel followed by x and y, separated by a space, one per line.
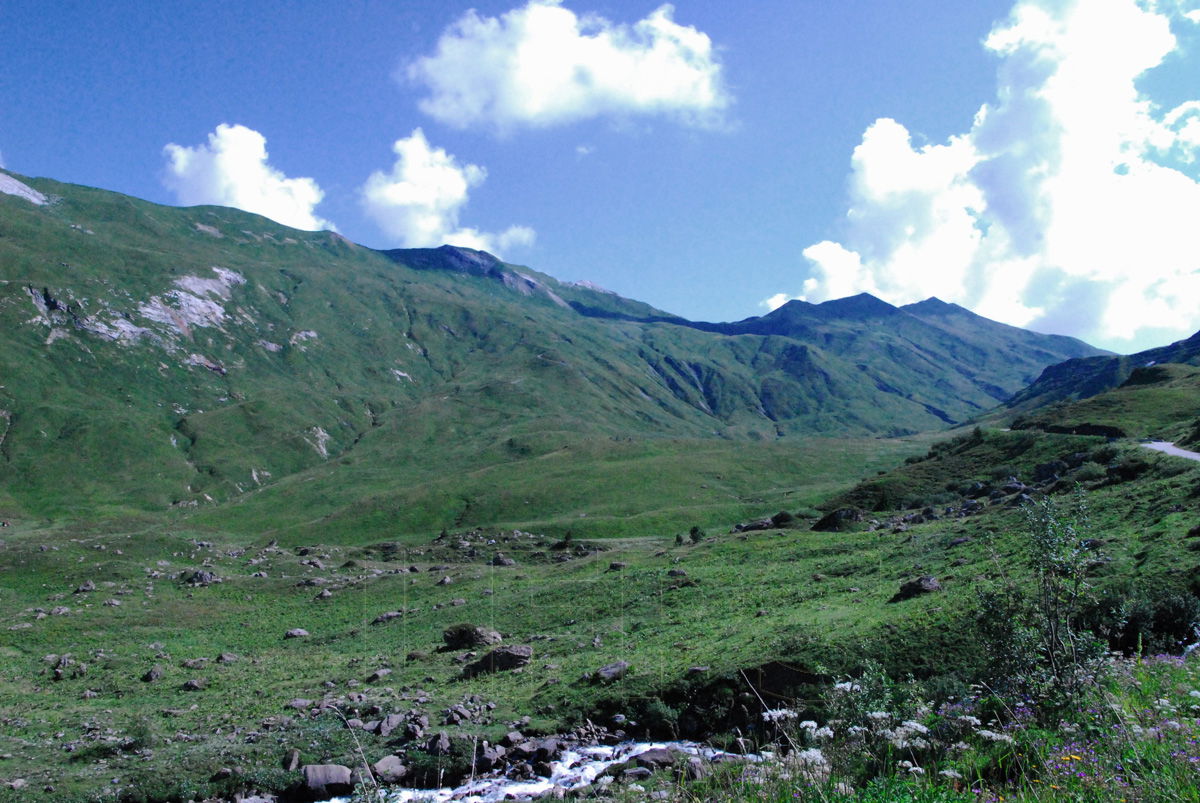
pixel 155 356
pixel 1084 377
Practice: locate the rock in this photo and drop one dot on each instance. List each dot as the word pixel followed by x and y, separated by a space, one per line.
pixel 226 658
pixel 299 703
pixel 465 636
pixel 390 723
pixel 201 577
pixel 1048 472
pixel 194 663
pixel 389 769
pixel 697 670
pixel 445 581
pixel 840 520
pixel 962 539
pixel 298 632
pixel 611 672
pixel 782 519
pixel 926 584
pixel 617 566
pixel 291 760
pixel 378 675
pixel 387 617
pixel 153 674
pixel 325 593
pixel 658 758
pixel 501 659
pixel 112 603
pixel 328 780
pixel 195 684
pixel 677 573
pixel 502 560
pixel 86 588
pixel 438 745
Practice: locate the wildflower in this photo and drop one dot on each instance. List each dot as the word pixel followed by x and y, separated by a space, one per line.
pixel 808 725
pixel 992 736
pixel 967 719
pixel 778 714
pixel 951 774
pixel 879 716
pixel 915 727
pixel 846 687
pixel 823 733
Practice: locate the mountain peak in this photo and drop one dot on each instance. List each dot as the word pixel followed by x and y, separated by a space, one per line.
pixel 863 305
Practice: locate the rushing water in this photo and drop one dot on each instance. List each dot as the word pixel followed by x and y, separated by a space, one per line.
pixel 573 769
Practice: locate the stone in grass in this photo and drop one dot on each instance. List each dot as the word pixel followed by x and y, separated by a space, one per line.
pixel 328 780
pixel 464 636
pixel 611 672
pixel 296 632
pixel 378 675
pixel 195 684
pixel 226 658
pixel 153 674
pixel 926 584
pixel 389 769
pixel 501 659
pixel 291 760
pixel 86 588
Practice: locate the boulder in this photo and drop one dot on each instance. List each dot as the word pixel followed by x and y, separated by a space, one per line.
pixel 153 674
pixel 501 659
pixel 465 636
pixel 502 560
pixel 291 760
pixel 926 584
pixel 840 520
pixel 86 588
pixel 611 672
pixel 389 769
pixel 200 577
pixel 298 632
pixel 327 780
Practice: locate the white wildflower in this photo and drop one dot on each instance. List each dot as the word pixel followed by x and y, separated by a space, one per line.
pixel 879 716
pixel 846 687
pixel 967 719
pixel 957 776
pixel 778 714
pixel 992 736
pixel 808 725
pixel 915 727
pixel 823 733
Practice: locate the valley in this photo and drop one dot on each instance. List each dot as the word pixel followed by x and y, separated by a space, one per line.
pixel 274 500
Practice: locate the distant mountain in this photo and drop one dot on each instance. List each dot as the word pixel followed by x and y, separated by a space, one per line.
pixel 153 356
pixel 1082 378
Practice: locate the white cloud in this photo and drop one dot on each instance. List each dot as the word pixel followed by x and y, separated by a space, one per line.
pixel 542 65
pixel 2 162
pixel 1069 206
pixel 418 202
pixel 232 170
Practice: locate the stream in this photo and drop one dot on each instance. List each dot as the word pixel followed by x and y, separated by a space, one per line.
pixel 574 768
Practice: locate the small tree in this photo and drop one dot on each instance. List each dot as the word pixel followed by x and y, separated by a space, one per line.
pixel 1034 643
pixel 696 534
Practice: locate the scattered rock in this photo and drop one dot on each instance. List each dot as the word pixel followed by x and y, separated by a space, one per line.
pixel 465 636
pixel 291 760
pixel 677 573
pixel 611 672
pixel 926 584
pixel 296 632
pixel 840 520
pixel 445 581
pixel 389 769
pixel 195 684
pixel 86 588
pixel 502 560
pixel 153 674
pixel 226 658
pixel 201 577
pixel 325 593
pixel 387 617
pixel 617 566
pixel 501 659
pixel 378 675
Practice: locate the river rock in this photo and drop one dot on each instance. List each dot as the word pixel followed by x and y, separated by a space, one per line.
pixel 328 780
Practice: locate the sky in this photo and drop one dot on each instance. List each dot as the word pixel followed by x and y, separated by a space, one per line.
pixel 1036 161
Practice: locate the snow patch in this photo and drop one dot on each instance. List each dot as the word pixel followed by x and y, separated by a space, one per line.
pixel 10 186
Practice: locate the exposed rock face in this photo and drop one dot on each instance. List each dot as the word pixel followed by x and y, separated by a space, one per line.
pixel 501 659
pixel 914 588
pixel 466 636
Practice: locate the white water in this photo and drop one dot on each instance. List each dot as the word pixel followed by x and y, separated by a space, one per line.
pixel 573 769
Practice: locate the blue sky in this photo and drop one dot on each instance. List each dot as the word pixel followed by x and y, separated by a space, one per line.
pixel 1036 160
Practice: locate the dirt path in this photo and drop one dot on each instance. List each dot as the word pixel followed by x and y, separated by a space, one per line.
pixel 1167 447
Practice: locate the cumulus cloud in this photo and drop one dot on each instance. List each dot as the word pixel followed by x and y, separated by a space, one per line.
pixel 542 65
pixel 232 170
pixel 419 200
pixel 1070 205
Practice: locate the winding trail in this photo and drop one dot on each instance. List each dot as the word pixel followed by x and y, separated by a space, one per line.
pixel 1166 447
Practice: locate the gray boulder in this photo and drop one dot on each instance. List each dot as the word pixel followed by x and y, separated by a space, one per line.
pixel 328 780
pixel 501 659
pixel 389 769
